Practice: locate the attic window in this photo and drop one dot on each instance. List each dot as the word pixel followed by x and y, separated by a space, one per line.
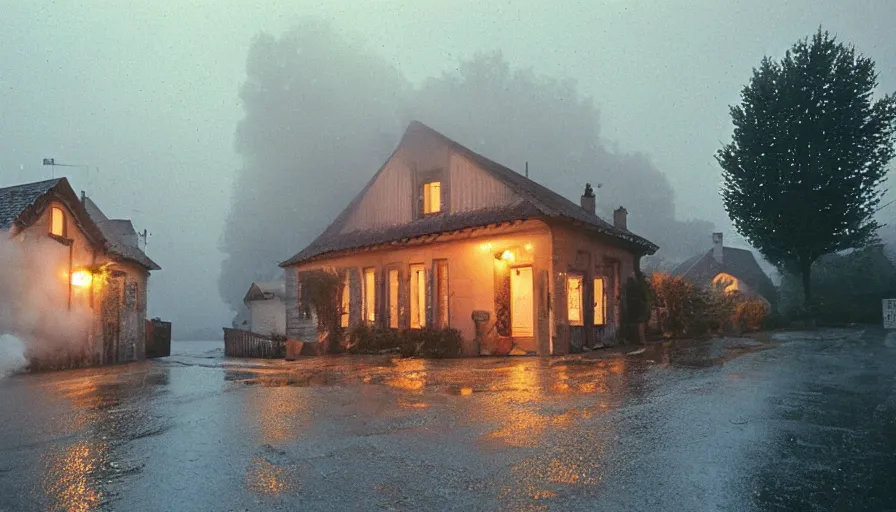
pixel 57 221
pixel 432 197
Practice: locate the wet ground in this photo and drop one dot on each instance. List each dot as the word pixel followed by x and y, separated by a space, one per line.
pixel 804 421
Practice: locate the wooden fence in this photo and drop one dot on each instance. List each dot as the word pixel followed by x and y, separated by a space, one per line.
pixel 239 343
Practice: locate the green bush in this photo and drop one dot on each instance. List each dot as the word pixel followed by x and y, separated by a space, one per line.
pixel 430 343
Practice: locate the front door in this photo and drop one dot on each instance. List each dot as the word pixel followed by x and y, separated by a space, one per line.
pixel 522 304
pixel 112 304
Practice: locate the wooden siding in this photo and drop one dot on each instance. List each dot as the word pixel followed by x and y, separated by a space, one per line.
pixel 473 189
pixel 392 198
pixel 389 200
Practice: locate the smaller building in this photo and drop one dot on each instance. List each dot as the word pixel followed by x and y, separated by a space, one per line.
pixel 267 309
pixel 80 293
pixel 734 269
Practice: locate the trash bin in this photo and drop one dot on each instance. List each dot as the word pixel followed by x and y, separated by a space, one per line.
pixel 293 349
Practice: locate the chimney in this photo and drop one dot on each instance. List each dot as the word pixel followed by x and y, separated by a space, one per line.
pixel 588 200
pixel 83 197
pixel 620 218
pixel 717 247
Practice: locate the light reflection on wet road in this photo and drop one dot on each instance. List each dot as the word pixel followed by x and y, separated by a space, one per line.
pixel 732 424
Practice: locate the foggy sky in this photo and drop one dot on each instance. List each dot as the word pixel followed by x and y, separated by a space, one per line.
pixel 149 94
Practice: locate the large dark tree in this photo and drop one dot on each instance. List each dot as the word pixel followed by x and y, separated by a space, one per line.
pixel 802 174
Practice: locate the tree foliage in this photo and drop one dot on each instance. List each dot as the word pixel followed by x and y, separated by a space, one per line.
pixel 847 287
pixel 809 152
pixel 321 115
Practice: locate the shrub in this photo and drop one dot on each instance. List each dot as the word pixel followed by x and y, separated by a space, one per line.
pixel 751 315
pixel 690 310
pixel 432 343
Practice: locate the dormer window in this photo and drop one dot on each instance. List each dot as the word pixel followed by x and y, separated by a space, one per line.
pixel 57 221
pixel 432 197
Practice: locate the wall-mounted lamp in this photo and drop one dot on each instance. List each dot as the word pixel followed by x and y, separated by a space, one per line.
pixel 82 278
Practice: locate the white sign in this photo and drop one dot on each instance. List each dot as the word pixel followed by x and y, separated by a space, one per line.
pixel 889 313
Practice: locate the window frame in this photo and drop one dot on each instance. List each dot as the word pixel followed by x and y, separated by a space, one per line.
pixel 428 197
pixel 64 230
pixel 417 291
pixel 368 295
pixel 438 295
pixel 570 277
pixel 345 301
pixel 602 302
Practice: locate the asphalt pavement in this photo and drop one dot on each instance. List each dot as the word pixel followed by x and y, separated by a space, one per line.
pixel 790 421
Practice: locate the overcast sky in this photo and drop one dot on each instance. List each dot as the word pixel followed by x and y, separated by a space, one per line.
pixel 145 93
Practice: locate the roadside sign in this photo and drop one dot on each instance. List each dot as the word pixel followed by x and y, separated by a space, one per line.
pixel 889 313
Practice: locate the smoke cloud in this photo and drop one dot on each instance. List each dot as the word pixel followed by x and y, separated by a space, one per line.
pixel 35 319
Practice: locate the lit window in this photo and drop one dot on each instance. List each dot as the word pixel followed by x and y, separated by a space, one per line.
pixel 574 300
pixel 418 296
pixel 432 197
pixel 57 221
pixel 441 283
pixel 369 295
pixel 343 319
pixel 393 299
pixel 600 302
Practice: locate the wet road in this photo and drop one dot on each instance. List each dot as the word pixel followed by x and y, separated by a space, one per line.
pixel 806 421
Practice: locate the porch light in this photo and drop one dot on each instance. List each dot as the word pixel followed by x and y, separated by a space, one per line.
pixel 82 278
pixel 507 255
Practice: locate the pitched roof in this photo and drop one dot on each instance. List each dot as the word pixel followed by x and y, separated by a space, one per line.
pixel 739 263
pixel 537 201
pixel 116 232
pixel 265 290
pixel 21 205
pixel 16 199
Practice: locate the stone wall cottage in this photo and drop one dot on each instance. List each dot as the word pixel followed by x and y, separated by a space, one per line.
pixel 441 232
pixel 92 265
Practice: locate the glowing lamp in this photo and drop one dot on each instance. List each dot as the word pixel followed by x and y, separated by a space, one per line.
pixel 81 278
pixel 507 255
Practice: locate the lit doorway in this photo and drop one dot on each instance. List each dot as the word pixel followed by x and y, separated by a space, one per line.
pixel 522 304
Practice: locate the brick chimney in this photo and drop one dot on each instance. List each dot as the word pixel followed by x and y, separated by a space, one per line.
pixel 718 248
pixel 620 218
pixel 588 199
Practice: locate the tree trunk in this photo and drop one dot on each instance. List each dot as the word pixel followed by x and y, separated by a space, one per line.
pixel 806 272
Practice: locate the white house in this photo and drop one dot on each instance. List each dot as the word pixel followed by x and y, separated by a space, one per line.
pixel 267 309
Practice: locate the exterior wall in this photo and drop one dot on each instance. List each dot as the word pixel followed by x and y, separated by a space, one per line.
pixel 585 253
pixel 122 294
pixel 267 316
pixel 392 199
pixel 472 272
pixel 64 258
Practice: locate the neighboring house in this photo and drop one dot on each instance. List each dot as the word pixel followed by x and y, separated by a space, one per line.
pixel 733 269
pixel 267 311
pixel 441 233
pixel 101 269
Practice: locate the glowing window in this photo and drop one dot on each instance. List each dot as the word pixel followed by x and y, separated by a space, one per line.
pixel 369 295
pixel 57 221
pixel 600 302
pixel 441 296
pixel 574 299
pixel 418 296
pixel 432 197
pixel 343 319
pixel 393 299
